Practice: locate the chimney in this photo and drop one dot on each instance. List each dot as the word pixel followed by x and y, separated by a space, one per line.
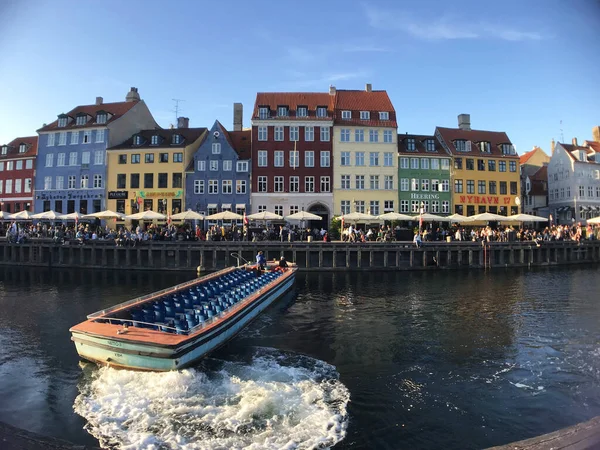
pixel 99 100
pixel 464 122
pixel 368 87
pixel 132 95
pixel 183 122
pixel 596 133
pixel 574 142
pixel 238 116
pixel 552 145
pixel 331 89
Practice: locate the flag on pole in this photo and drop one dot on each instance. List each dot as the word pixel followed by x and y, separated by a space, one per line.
pixel 76 221
pixel 169 219
pixel 245 218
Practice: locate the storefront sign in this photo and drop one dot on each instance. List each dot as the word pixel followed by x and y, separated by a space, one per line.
pixel 484 200
pixel 425 196
pixel 118 195
pixel 161 194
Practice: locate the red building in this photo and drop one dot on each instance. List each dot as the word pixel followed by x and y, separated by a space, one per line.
pixel 292 161
pixel 17 170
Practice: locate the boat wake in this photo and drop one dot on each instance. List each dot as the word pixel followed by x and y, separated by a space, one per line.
pixel 276 400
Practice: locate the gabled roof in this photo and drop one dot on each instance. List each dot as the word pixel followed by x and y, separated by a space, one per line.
pixel 527 156
pixel 240 141
pixel 188 135
pixel 593 145
pixel 13 147
pixel 115 110
pixel 541 174
pixel 292 100
pixel 570 148
pixel 495 138
pixel 420 146
pixel 356 101
pixel 539 182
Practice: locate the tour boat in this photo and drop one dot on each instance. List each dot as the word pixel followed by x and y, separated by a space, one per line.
pixel 173 328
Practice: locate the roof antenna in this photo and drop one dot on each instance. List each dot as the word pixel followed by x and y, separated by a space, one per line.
pixel 562 138
pixel 176 110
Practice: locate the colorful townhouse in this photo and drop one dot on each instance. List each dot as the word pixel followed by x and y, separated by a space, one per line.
pixel 218 175
pixel 534 182
pixel 485 169
pixel 292 167
pixel 365 152
pixel 147 171
pixel 71 161
pixel 17 171
pixel 424 175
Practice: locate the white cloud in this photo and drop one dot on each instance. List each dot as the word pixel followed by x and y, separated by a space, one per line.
pixel 323 81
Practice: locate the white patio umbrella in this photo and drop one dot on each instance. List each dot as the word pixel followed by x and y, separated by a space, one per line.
pixel 486 217
pixel 526 218
pixel 427 217
pixel 22 215
pixel 264 215
pixel 5 215
pixel 146 215
pixel 303 215
pixel 187 215
pixel 458 218
pixel 394 216
pixel 358 217
pixel 595 220
pixel 46 215
pixel 107 214
pixel 225 215
pixel 72 216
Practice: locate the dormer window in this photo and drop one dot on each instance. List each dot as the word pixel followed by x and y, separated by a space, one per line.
pixel 282 111
pixel 176 139
pixel 346 114
pixel 430 145
pixel 137 140
pixel 81 120
pixel 321 111
pixel 365 115
pixel 582 156
pixel 384 115
pixel 263 112
pixel 302 111
pixel 22 148
pixel 4 149
pixel 62 122
pixel 508 149
pixel 485 147
pixel 410 144
pixel 154 140
pixel 101 118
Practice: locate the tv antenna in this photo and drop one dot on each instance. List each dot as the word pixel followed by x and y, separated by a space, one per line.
pixel 177 100
pixel 562 138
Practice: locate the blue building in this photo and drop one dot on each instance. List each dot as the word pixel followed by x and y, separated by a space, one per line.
pixel 71 161
pixel 218 178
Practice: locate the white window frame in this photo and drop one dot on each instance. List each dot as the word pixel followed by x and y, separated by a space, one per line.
pixel 346 115
pixel 263 133
pixel 278 158
pixel 294 133
pixel 51 139
pixel 325 158
pixel 263 184
pixel 198 186
pixel 227 165
pixel 384 115
pixel 226 186
pixel 309 184
pixel 294 183
pixel 84 181
pixel 309 158
pixel 201 166
pixel 345 182
pixel 87 137
pixel 216 148
pixel 74 138
pixel 100 136
pixel 388 159
pixel 325 134
pixel 49 160
pixel 388 137
pixel 359 135
pixel 213 187
pixel 240 186
pixel 62 138
pixel 278 183
pixel 98 181
pixel 214 165
pixel 73 158
pixel 365 115
pixel 325 184
pixel 241 166
pixel 279 133
pixel 309 134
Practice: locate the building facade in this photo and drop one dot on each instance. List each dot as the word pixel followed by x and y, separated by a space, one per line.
pixel 292 166
pixel 484 170
pixel 534 182
pixel 71 161
pixel 424 175
pixel 218 176
pixel 17 171
pixel 574 182
pixel 365 152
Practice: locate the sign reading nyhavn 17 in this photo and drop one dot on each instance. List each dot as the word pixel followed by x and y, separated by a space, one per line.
pixel 118 195
pixel 485 200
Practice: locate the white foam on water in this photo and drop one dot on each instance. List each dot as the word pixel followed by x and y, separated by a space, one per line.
pixel 277 401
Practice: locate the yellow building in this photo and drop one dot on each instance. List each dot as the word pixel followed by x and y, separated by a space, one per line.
pixel 365 152
pixel 147 172
pixel 485 169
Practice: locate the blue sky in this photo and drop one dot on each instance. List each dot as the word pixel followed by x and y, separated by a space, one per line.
pixel 515 66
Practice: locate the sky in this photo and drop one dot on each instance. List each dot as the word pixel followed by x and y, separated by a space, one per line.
pixel 529 67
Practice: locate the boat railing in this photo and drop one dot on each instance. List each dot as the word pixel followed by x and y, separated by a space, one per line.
pixel 237 256
pixel 147 297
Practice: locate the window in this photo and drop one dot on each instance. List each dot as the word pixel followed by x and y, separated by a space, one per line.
pixel 122 159
pixel 262 208
pixel 62 138
pixel 321 111
pixel 384 115
pixel 80 120
pixel 359 182
pixel 470 164
pixel 410 144
pixel 508 149
pixel 492 186
pixel 502 166
pixel 294 184
pixel 294 209
pixel 373 158
pixel 425 185
pixel 460 145
pixel 242 166
pixel 470 186
pixel 513 187
pixel 278 160
pixel 404 183
pixel 97 181
pixel 154 140
pixel 216 148
pixel 226 186
pixel 345 182
pixel 227 165
pixel 149 158
pixel 47 184
pixel 137 140
pixel 374 207
pixel 404 206
pixel 240 186
pixel 503 188
pixel 325 184
pixel 484 147
pixel 424 163
pixel 435 164
pixel 62 122
pixel 388 205
pixel 163 180
pixel 282 111
pixel 294 134
pixel 346 115
pixel 262 184
pixel 435 206
pixel 263 113
pixel 201 166
pixel 294 159
pixel 99 135
pixel 345 135
pixel 262 158
pixel 359 135
pixel 309 134
pixel 178 157
pixel 99 157
pixel 262 133
pixel 373 135
pixel 71 182
pixel 214 165
pixel 345 158
pixel 458 163
pixel 458 186
pixel 278 184
pixel 445 185
pixel 359 158
pixel 213 186
pixel 414 163
pixel 60 159
pixel 435 185
pixel 279 133
pixel 325 158
pixel 84 181
pixel 75 137
pixel 121 180
pixel 135 158
pixel 590 191
pixel 387 136
pixel 302 111
pixel 49 160
pixel 85 158
pixel 72 158
pixel 278 209
pixel 481 164
pixel 175 139
pixel 163 157
pixel 345 206
pixel 388 159
pixel 481 187
pixel 512 166
pixel 414 206
pixel 404 163
pixel 309 184
pixel 9 165
pixel 365 115
pixel 51 137
pixel 374 182
pixel 27 184
pixel 324 134
pixel 430 145
pixel 148 180
pixel 309 158
pixel 445 207
pixel 568 191
pixel 87 137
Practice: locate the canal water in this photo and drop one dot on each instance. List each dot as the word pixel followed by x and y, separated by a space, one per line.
pixel 352 360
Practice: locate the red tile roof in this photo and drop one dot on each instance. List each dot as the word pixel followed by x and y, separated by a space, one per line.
pixel 240 141
pixel 571 148
pixel 593 145
pixel 526 156
pixel 541 174
pixel 292 100
pixel 189 135
pixel 13 147
pixel 420 146
pixel 372 101
pixel 116 110
pixel 495 138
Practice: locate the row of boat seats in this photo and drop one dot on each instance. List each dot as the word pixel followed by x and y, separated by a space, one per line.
pixel 181 311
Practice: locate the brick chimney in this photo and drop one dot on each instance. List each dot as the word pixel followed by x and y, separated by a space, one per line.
pixel 99 100
pixel 464 122
pixel 596 133
pixel 368 87
pixel 331 89
pixel 132 95
pixel 552 145
pixel 238 116
pixel 574 141
pixel 183 122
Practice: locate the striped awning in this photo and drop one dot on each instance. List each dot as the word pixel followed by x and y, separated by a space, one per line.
pixel 225 206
